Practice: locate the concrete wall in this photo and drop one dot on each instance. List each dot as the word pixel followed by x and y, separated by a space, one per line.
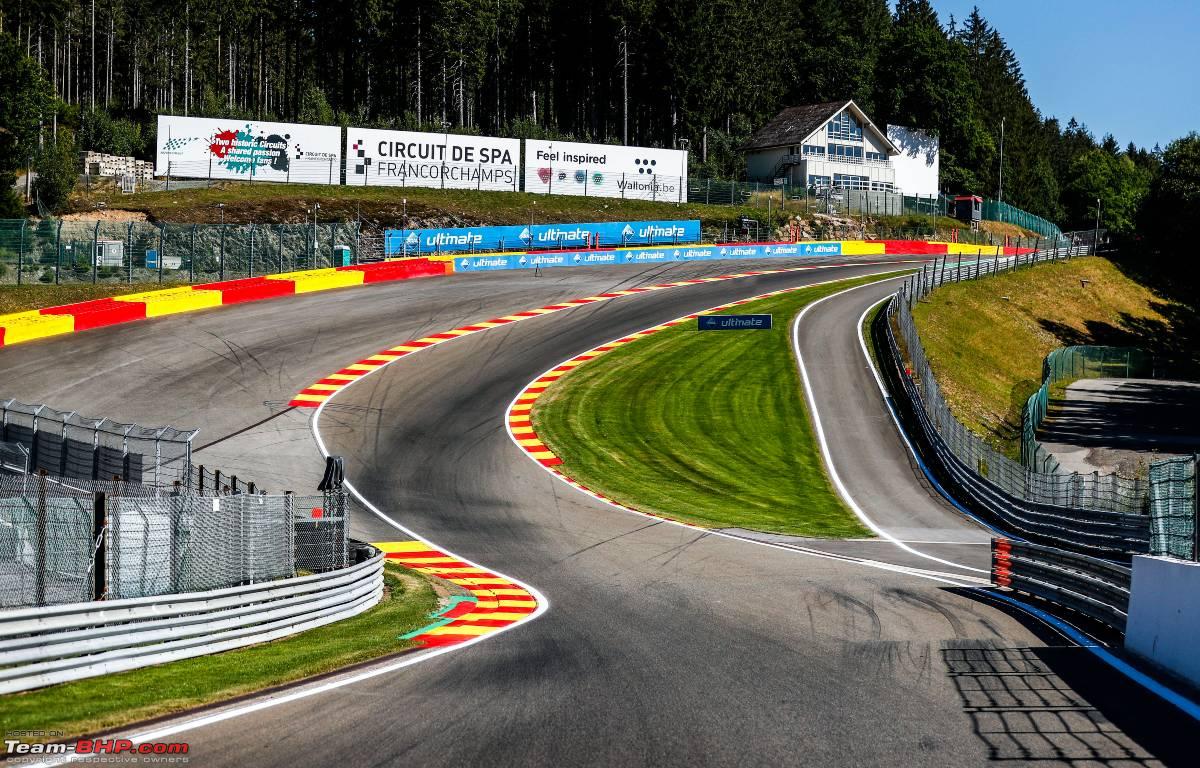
pixel 761 164
pixel 1164 615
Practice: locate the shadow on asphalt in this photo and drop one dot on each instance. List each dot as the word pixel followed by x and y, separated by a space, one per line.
pixel 1061 704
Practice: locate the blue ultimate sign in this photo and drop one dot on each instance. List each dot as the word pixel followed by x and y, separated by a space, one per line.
pixel 733 323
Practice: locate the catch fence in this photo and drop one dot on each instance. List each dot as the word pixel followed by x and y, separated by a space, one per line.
pixel 53 251
pixel 66 541
pixel 71 445
pixel 1173 512
pixel 1070 364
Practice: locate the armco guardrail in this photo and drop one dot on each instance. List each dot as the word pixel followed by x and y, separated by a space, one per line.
pixel 1070 520
pixel 1095 532
pixel 1096 588
pixel 44 646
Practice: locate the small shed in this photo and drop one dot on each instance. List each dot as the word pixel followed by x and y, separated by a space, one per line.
pixel 969 208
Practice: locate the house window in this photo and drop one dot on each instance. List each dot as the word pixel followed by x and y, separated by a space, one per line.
pixel 848 181
pixel 809 150
pixel 883 186
pixel 818 182
pixel 845 151
pixel 844 126
pixel 878 157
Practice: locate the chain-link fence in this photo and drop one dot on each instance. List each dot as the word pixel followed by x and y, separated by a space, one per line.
pixel 53 251
pixel 1110 493
pixel 1071 364
pixel 64 540
pixel 1173 531
pixel 71 445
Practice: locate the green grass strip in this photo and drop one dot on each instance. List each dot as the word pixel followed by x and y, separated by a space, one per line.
pixel 100 703
pixel 710 428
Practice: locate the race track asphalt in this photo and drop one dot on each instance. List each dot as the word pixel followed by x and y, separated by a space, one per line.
pixel 662 645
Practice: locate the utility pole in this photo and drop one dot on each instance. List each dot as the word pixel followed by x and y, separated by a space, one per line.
pixel 625 84
pixel 92 82
pixel 1096 232
pixel 187 58
pixel 1000 189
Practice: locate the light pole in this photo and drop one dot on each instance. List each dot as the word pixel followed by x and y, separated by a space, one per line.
pixel 1000 188
pixel 683 145
pixel 1096 232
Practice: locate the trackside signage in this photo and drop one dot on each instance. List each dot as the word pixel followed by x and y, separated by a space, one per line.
pixel 733 323
pixel 605 170
pixel 445 161
pixel 539 236
pixel 250 150
pixel 654 255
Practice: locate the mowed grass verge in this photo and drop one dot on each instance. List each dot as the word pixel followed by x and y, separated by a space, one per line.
pixel 100 703
pixel 22 298
pixel 986 339
pixel 710 428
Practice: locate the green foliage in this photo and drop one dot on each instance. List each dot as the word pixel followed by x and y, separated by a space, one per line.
pixel 667 69
pixel 1114 180
pixel 1172 207
pixel 11 204
pixel 101 132
pixel 25 98
pixel 57 170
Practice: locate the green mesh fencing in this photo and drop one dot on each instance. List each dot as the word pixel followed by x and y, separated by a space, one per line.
pixel 56 251
pixel 1070 364
pixel 1173 508
pixel 994 210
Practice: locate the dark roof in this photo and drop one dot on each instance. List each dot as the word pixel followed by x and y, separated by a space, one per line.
pixel 793 125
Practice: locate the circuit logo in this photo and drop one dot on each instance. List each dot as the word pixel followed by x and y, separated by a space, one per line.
pixel 362 162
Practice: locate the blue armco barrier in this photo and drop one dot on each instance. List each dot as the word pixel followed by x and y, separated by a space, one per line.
pixel 399 242
pixel 545 260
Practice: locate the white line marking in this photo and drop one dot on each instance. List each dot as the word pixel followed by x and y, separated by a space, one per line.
pixel 843 491
pixel 954 579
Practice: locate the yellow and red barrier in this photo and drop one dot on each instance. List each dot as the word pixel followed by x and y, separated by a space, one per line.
pixel 98 313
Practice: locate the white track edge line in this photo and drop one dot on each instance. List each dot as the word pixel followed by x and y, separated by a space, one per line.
pixel 843 491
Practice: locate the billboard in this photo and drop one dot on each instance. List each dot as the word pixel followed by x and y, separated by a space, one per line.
pixel 248 150
pixel 917 164
pixel 660 255
pixel 605 170
pixel 538 236
pixel 442 160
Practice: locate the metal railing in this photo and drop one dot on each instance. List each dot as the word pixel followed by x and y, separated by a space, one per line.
pixel 44 646
pixel 1096 588
pixel 1093 514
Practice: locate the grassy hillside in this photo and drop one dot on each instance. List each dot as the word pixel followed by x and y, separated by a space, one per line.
pixel 385 206
pixel 986 339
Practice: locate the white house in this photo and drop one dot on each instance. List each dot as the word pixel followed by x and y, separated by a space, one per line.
pixel 823 145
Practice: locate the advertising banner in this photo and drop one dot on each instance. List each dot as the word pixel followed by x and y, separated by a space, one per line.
pixel 441 160
pixel 661 254
pixel 248 150
pixel 605 170
pixel 539 236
